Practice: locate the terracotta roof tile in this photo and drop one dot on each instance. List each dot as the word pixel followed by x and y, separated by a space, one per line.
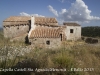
pixel 18 18
pixel 71 24
pixel 45 21
pixel 45 33
pixel 38 20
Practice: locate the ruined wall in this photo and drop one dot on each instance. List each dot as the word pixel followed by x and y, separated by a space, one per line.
pixel 43 42
pixel 15 31
pixel 76 32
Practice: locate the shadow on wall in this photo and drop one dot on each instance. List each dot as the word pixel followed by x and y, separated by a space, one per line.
pixel 26 40
pixel 29 24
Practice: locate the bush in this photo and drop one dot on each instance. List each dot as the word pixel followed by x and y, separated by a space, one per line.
pixel 94 41
pixel 91 40
pixel 83 38
pixel 88 40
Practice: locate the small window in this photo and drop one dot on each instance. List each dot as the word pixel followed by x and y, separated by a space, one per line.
pixel 71 31
pixel 48 42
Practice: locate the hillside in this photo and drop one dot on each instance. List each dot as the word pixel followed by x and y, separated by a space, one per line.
pixel 93 31
pixel 1 29
pixel 74 58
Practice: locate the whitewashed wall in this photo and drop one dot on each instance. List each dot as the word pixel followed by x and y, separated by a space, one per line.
pixel 76 33
pixel 32 25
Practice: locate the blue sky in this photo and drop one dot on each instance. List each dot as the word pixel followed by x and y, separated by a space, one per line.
pixel 85 12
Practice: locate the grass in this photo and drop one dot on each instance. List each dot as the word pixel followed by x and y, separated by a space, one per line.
pixel 72 55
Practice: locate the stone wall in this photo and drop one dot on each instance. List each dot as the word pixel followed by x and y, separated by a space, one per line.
pixel 15 31
pixel 46 42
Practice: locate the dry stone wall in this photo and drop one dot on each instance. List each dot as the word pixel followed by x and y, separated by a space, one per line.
pixel 15 31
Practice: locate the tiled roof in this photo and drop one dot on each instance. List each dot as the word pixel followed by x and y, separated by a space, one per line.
pixel 17 18
pixel 45 21
pixel 71 24
pixel 45 32
pixel 14 20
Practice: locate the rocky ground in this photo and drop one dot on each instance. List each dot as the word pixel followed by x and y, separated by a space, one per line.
pixel 10 52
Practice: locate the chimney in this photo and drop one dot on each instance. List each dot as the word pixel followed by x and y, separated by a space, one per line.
pixel 32 25
pixel 32 22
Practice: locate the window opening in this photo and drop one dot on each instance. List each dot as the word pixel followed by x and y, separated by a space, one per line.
pixel 71 31
pixel 48 42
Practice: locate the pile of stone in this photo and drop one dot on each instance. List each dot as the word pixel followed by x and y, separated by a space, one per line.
pixel 90 40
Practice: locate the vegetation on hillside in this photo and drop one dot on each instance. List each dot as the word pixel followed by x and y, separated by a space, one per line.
pixel 73 55
pixel 91 31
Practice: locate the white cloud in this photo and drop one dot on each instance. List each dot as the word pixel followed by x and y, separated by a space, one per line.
pixel 65 1
pixel 26 14
pixel 78 12
pixel 37 15
pixel 61 1
pixel 53 10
